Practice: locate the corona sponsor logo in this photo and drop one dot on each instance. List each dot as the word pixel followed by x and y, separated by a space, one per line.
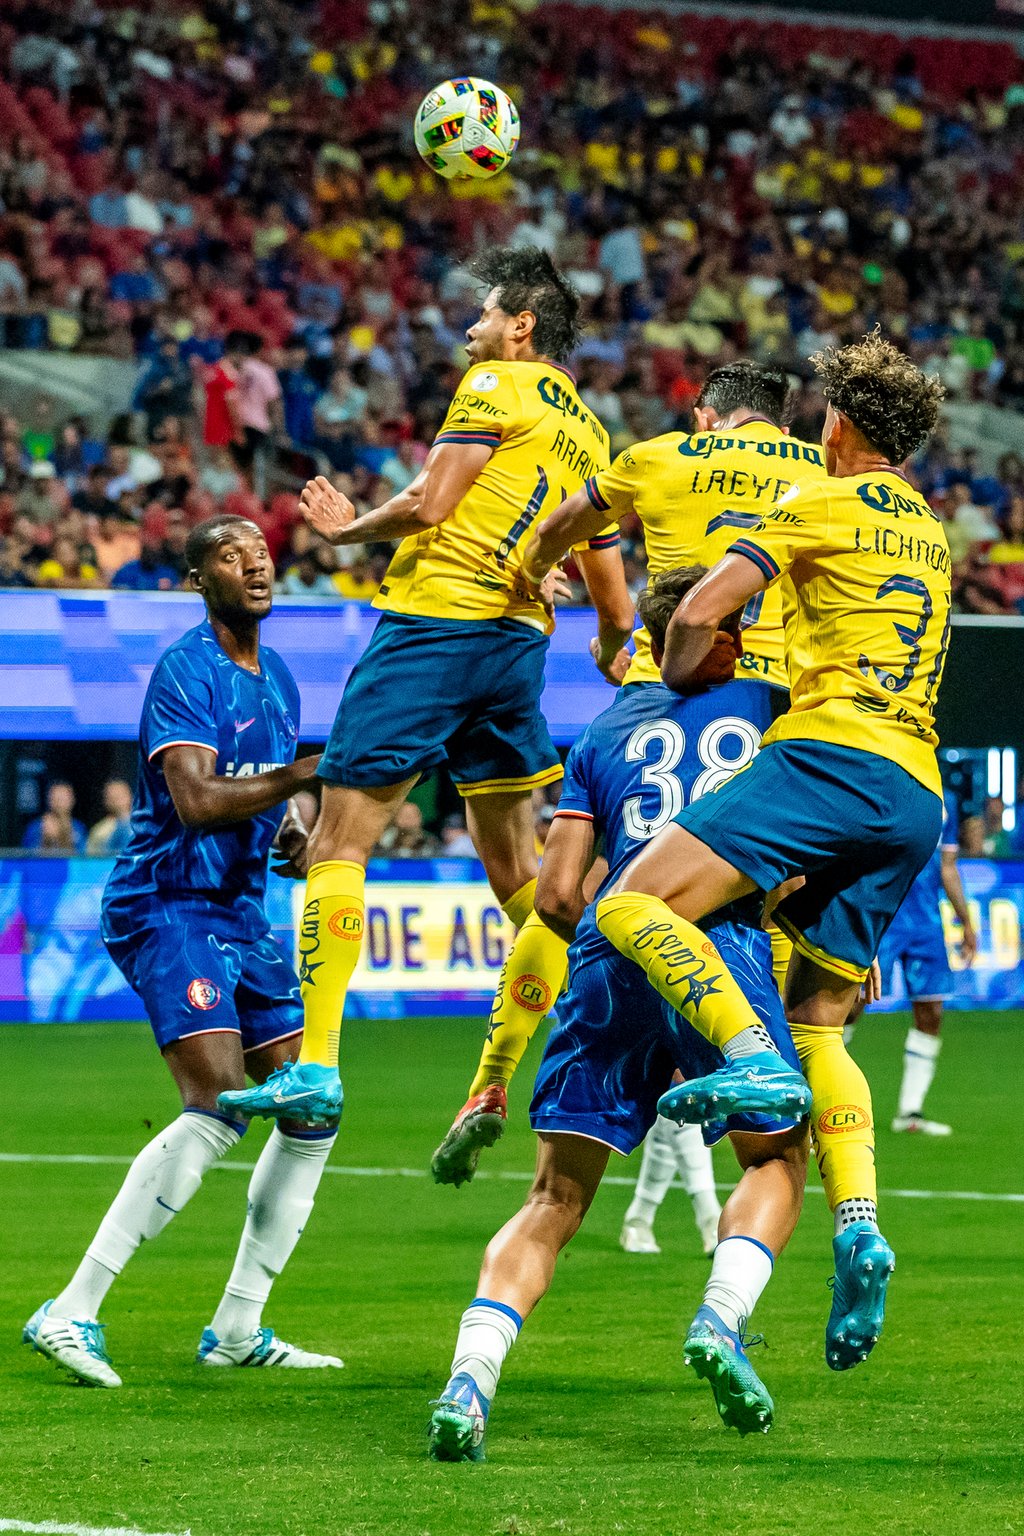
pixel 842 1118
pixel 532 993
pixel 346 923
pixel 203 994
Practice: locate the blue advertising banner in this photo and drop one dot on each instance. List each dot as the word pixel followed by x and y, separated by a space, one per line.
pixel 75 665
pixel 435 940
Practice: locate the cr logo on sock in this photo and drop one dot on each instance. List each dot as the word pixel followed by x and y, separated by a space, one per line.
pixel 843 1117
pixel 532 993
pixel 346 923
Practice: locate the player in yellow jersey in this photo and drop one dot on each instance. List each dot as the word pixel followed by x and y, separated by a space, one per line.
pixel 692 493
pixel 455 668
pixel 845 790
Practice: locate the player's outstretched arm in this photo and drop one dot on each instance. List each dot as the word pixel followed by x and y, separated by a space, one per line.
pixel 605 579
pixel 447 475
pixel 203 798
pixel 568 854
pixel 574 521
pixel 953 887
pixel 692 628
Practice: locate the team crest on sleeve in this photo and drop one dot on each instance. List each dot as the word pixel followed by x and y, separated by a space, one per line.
pixel 532 993
pixel 483 382
pixel 203 994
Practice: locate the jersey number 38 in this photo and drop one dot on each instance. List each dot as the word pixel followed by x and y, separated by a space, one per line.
pixel 660 745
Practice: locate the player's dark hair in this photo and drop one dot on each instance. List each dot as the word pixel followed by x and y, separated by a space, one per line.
pixel 529 279
pixel 205 536
pixel 881 391
pixel 747 387
pixel 661 597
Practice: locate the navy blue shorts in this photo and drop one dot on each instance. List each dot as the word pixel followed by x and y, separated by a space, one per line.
pixel 919 948
pixel 432 691
pixel 195 979
pixel 859 828
pixel 617 1043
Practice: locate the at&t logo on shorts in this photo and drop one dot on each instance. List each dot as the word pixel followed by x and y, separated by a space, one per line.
pixel 532 993
pixel 346 923
pixel 842 1118
pixel 203 994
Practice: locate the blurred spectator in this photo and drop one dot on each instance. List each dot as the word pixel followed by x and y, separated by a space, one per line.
pixel 165 387
pixel 68 565
pixel 57 828
pixel 259 409
pixel 406 837
pixel 312 574
pixel 456 842
pixel 996 841
pixel 222 425
pixel 116 542
pixel 972 837
pixel 355 579
pixel 110 835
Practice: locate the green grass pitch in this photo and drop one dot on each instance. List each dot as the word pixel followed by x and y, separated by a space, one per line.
pixel 597 1428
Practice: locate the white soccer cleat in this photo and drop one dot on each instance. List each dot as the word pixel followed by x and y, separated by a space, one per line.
pixel 922 1126
pixel 77 1345
pixel 261 1347
pixel 708 1229
pixel 638 1237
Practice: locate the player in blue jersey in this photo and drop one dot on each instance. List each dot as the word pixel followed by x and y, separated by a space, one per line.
pixel 183 918
pixel 916 941
pixel 612 1054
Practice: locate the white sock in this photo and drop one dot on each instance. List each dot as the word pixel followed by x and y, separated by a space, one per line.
pixel 856 1209
pixel 751 1041
pixel 486 1334
pixel 697 1172
pixel 162 1179
pixel 657 1170
pixel 740 1271
pixel 281 1193
pixel 920 1053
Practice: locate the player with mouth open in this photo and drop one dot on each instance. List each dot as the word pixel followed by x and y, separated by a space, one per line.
pixel 184 920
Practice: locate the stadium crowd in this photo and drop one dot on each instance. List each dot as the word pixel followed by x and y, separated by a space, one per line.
pixel 227 196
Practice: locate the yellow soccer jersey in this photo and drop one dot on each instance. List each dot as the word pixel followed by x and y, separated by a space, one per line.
pixel 546 445
pixel 867 606
pixel 692 494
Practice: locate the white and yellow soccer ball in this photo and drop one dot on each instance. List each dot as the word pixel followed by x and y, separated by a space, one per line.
pixel 467 127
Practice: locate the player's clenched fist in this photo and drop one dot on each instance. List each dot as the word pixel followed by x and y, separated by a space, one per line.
pixel 326 510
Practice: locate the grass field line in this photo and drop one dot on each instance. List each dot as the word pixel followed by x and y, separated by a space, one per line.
pixel 51 1528
pixel 505 1175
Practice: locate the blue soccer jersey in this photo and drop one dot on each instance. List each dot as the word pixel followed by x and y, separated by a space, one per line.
pixel 654 752
pixel 198 696
pixel 922 900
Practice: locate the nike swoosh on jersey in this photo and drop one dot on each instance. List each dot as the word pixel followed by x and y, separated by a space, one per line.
pixel 243 725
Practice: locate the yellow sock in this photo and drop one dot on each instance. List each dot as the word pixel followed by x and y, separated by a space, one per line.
pixel 842 1129
pixel 782 951
pixel 533 975
pixel 330 939
pixel 681 963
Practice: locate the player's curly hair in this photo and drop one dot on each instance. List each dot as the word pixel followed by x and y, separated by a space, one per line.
pixel 747 386
pixel 661 597
pixel 886 397
pixel 528 279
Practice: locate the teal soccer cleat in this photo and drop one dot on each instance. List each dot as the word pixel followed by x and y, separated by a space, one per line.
pixel 458 1423
pixel 864 1262
pixel 718 1356
pixel 306 1094
pixel 761 1084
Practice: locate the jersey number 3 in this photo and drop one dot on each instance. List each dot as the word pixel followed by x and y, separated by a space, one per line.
pixel 668 742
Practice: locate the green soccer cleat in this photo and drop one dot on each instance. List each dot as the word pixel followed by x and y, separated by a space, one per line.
pixel 458 1423
pixel 718 1356
pixel 479 1124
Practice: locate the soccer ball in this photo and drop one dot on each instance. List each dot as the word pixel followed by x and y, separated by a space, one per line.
pixel 467 127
